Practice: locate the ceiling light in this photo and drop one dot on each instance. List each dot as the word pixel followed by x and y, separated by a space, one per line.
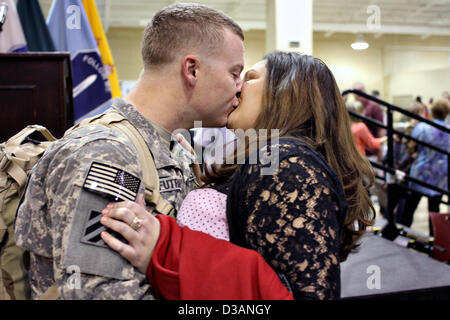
pixel 359 44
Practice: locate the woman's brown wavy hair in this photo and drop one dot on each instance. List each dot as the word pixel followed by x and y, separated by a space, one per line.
pixel 301 99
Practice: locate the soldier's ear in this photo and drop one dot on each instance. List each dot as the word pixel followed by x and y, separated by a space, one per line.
pixel 189 70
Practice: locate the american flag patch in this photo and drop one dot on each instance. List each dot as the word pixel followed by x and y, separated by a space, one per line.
pixel 114 183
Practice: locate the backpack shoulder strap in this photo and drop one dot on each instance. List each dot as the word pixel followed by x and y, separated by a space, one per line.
pixel 150 174
pixel 117 121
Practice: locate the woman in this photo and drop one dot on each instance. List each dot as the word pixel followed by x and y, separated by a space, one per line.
pixel 429 165
pixel 304 218
pixel 362 136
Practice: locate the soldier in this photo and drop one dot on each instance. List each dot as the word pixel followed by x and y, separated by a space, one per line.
pixel 193 57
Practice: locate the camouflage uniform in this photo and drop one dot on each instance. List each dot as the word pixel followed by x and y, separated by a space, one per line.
pixel 54 219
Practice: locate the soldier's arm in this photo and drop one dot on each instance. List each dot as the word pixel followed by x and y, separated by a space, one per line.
pixel 80 184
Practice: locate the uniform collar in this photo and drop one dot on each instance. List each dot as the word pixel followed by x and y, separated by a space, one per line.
pixel 164 134
pixel 156 137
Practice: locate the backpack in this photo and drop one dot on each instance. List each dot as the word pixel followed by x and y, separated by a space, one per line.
pixel 17 158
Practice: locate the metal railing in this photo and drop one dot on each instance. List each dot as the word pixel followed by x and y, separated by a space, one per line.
pixel 391 231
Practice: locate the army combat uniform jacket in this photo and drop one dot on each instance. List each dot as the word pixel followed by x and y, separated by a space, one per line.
pixel 58 220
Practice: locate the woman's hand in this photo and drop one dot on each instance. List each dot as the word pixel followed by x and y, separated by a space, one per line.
pixel 195 166
pixel 141 239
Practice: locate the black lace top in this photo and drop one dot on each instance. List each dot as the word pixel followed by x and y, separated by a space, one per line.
pixel 293 218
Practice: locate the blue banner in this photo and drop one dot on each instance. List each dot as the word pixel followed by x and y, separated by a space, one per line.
pixel 70 30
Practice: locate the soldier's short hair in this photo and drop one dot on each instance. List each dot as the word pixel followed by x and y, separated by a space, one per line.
pixel 182 26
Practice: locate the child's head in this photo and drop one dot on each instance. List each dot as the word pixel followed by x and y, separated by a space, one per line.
pixel 440 109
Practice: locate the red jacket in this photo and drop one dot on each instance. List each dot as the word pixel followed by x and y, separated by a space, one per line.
pixel 192 265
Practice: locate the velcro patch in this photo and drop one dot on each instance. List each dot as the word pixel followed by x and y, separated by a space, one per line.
pixel 191 176
pixel 168 184
pixel 111 182
pixel 94 228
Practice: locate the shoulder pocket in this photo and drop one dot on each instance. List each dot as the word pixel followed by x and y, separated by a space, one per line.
pixel 85 249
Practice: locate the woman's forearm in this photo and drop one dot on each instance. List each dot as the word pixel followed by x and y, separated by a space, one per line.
pixel 191 265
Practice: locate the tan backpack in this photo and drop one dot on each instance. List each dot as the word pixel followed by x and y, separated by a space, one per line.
pixel 17 157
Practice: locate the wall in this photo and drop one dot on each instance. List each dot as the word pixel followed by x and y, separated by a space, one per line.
pixel 389 63
pixel 255 47
pixel 125 45
pixel 427 84
pixel 394 65
pixel 348 65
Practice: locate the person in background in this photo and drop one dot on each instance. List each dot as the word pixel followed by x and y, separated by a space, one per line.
pixel 402 162
pixel 446 96
pixel 374 111
pixel 429 104
pixel 411 147
pixel 430 166
pixel 405 151
pixel 366 142
pixel 362 136
pixel 370 110
pixel 427 110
